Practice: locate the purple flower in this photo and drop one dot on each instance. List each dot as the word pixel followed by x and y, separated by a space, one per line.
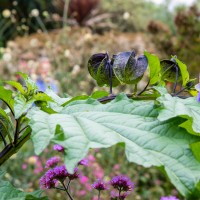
pixel 60 172
pixel 84 162
pixel 58 147
pixel 198 97
pixel 169 198
pixel 115 195
pixel 100 185
pixel 47 181
pixel 122 183
pixel 52 162
pixel 75 175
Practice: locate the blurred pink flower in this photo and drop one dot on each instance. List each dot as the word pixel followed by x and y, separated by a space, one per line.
pixel 24 166
pixel 95 198
pixel 81 193
pixel 91 158
pixel 116 167
pixel 84 179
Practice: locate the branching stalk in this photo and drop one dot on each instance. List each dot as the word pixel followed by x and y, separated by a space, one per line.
pixel 66 190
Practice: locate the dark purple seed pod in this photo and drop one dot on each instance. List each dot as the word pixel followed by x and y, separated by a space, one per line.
pixel 129 69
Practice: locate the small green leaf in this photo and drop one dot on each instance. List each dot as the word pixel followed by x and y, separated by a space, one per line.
pixel 184 71
pixel 56 98
pixel 99 94
pixel 6 125
pixel 196 150
pixel 30 84
pixel 6 96
pixel 21 105
pixel 80 97
pixel 154 67
pixel 17 85
pixel 42 97
pixel 160 89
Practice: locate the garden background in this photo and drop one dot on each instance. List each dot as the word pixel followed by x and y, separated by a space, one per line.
pixel 52 41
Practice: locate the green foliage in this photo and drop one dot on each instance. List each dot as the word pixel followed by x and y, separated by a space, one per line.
pixel 89 124
pixel 8 191
pixel 154 67
pixel 161 132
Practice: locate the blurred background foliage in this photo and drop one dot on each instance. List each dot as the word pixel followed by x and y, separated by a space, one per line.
pixel 52 42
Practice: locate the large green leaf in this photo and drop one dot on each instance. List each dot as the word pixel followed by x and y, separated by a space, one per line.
pixel 148 141
pixel 9 192
pixel 154 67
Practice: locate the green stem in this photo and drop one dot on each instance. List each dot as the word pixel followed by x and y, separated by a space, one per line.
pixel 99 195
pixel 143 89
pixel 66 190
pixel 59 188
pixel 17 131
pixel 68 185
pixel 9 150
pixel 119 193
pixel 3 138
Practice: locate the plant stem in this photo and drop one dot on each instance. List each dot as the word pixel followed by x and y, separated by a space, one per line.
pixel 4 140
pixel 175 84
pixel 143 89
pixel 135 89
pixel 59 188
pixel 68 185
pixel 99 195
pixel 17 131
pixel 110 76
pixel 67 191
pixel 9 150
pixel 119 193
pixel 23 129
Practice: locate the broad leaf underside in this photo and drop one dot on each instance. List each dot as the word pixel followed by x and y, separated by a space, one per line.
pixel 148 141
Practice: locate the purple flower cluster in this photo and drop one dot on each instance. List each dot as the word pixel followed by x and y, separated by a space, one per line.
pixel 100 185
pixel 169 198
pixel 198 97
pixel 58 148
pixel 48 181
pixel 52 162
pixel 122 183
pixel 59 173
pixel 75 175
pixel 84 162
